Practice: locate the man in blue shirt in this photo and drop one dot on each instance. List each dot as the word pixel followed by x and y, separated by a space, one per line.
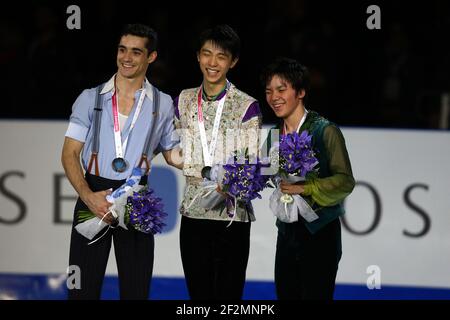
pixel 131 128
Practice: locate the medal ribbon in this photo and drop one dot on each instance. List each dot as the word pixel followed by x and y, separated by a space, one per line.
pixel 120 149
pixel 299 125
pixel 208 152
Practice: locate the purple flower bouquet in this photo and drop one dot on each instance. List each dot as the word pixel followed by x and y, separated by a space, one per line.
pixel 132 204
pixel 297 156
pixel 297 162
pixel 243 180
pixel 145 212
pixel 240 179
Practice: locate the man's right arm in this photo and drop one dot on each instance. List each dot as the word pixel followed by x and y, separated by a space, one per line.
pixel 70 158
pixel 172 152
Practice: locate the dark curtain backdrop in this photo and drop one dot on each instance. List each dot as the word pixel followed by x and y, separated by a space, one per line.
pixel 392 77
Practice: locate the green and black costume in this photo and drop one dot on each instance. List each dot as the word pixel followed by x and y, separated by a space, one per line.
pixel 308 254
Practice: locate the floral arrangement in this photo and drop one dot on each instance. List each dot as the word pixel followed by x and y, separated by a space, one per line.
pixel 242 177
pixel 145 212
pixel 297 162
pixel 132 204
pixel 297 156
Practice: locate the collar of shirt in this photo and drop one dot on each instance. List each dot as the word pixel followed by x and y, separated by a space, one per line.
pixel 109 87
pixel 218 96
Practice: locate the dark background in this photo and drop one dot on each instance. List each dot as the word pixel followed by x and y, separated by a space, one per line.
pixel 393 77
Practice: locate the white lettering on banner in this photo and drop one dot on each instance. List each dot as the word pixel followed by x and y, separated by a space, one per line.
pixel 397 214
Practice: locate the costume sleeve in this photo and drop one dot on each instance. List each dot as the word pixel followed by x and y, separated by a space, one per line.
pixel 81 117
pixel 175 108
pixel 250 129
pixel 332 190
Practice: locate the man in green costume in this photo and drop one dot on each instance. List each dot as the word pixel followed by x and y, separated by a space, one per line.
pixel 308 253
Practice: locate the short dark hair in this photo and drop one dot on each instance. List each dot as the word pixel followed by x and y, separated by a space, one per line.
pixel 222 36
pixel 143 31
pixel 287 69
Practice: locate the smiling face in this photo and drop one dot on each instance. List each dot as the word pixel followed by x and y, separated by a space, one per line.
pixel 133 57
pixel 214 63
pixel 282 97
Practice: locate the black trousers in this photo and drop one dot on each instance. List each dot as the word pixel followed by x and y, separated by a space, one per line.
pixel 306 264
pixel 133 249
pixel 214 258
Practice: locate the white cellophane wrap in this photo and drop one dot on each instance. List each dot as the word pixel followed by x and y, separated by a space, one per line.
pixel 118 198
pixel 208 196
pixel 288 212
